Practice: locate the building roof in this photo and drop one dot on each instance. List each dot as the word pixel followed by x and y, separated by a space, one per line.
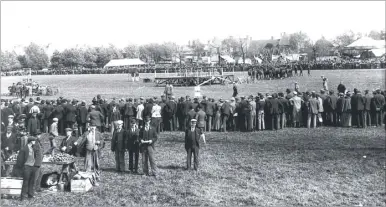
pixel 124 62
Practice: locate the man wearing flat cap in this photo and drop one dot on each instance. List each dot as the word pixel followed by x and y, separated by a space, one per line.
pixel 118 146
pixel 26 161
pixel 148 137
pixel 192 144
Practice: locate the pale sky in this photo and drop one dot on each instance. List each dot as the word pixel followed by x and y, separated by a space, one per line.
pixel 68 23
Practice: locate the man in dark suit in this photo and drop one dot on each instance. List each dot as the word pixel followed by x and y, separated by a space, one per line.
pixel 210 107
pixel 133 145
pixel 82 117
pixel 313 110
pixel 331 108
pixel 378 102
pixel 47 113
pixel 186 109
pixel 359 103
pixel 274 111
pixel 70 114
pixel 283 110
pixel 128 112
pixel 59 114
pixel 95 118
pixel 148 137
pixel 192 144
pixel 170 114
pixel 179 113
pixel 226 111
pixel 118 146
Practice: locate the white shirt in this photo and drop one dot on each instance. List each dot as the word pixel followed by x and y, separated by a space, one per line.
pixel 156 111
pixel 140 109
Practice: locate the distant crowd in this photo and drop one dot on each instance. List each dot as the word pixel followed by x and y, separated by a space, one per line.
pixel 174 68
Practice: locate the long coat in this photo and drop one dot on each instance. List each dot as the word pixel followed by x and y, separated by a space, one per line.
pixel 192 139
pixel 119 141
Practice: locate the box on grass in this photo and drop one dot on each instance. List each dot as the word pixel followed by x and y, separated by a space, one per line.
pixel 81 185
pixel 11 186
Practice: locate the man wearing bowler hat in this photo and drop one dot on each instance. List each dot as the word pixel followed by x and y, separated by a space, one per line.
pixel 192 144
pixel 148 137
pixel 133 145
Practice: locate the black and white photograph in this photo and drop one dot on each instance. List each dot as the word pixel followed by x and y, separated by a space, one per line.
pixel 193 103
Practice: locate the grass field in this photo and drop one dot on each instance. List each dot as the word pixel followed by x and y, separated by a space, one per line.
pixel 117 85
pixel 292 167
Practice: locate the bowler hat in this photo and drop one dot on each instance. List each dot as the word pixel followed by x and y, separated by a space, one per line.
pixel 68 129
pixel 132 121
pixel 30 139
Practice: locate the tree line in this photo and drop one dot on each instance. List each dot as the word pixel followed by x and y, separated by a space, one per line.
pixel 36 57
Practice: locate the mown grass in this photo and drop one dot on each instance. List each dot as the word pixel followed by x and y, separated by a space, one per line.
pixel 85 87
pixel 291 167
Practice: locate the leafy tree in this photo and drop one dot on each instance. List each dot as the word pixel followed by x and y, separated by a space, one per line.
pixel 36 57
pixel 323 47
pixel 298 41
pixel 9 61
pixel 131 51
pixel 345 38
pixel 377 35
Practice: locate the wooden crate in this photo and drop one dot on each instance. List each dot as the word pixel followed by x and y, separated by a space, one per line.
pixel 11 186
pixel 81 186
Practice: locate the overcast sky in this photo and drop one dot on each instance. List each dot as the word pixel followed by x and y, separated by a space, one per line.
pixel 66 24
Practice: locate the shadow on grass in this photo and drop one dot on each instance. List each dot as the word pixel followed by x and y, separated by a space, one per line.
pixel 172 167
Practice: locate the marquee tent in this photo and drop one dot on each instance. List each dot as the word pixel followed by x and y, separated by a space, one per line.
pixel 364 43
pixel 124 62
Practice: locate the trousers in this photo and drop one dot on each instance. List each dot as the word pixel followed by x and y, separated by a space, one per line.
pixel 133 159
pixel 29 179
pixel 120 160
pixel 148 156
pixel 195 152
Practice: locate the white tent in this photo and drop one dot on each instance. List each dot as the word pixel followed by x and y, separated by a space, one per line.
pixel 124 62
pixel 364 43
pixel 378 52
pixel 228 59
